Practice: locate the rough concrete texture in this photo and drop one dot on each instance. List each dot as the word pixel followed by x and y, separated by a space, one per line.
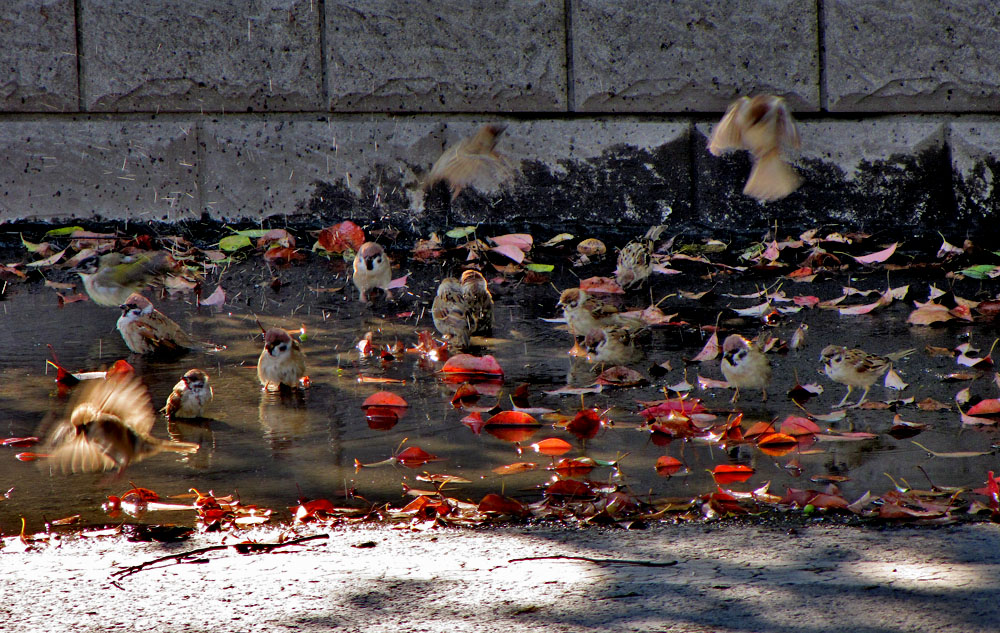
pixel 134 170
pixel 727 579
pixel 374 170
pixel 638 56
pixel 450 55
pixel 37 56
pixel 189 55
pixel 975 148
pixel 911 55
pixel 887 174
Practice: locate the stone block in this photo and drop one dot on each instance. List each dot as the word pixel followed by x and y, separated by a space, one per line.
pixel 86 169
pixel 446 55
pixel 688 55
pixel 37 56
pixel 193 56
pixel 571 172
pixel 889 174
pixel 912 56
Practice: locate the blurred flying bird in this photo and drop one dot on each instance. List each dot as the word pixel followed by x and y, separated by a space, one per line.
pixel 763 125
pixel 112 277
pixel 473 162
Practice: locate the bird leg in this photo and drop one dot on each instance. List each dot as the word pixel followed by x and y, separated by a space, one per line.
pixel 846 396
pixel 863 396
pixel 736 396
pixel 764 391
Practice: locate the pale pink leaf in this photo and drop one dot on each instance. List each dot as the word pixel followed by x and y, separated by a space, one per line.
pixel 710 351
pixel 217 298
pixel 398 282
pixel 875 258
pixel 510 251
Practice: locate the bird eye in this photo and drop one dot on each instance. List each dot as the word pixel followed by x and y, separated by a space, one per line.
pixel 282 347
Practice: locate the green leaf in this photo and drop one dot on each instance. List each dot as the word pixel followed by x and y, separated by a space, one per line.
pixel 252 233
pixel 232 243
pixel 982 271
pixel 463 231
pixel 65 230
pixel 540 268
pixel 32 248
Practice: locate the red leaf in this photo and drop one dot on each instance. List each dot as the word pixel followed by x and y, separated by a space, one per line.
pixel 574 466
pixel 30 457
pixel 605 285
pixel 727 474
pixel 585 424
pixel 985 407
pixel 497 504
pixel 552 446
pixel 568 488
pixel 469 364
pixel 667 466
pixel 515 468
pixel 341 237
pixel 512 433
pixel 383 418
pixel 512 418
pixel 20 442
pixel 282 255
pixel 521 241
pixel 120 368
pixel 413 457
pixel 384 399
pixel 620 376
pixel 687 406
pixel 280 237
pixel 474 421
pixel 796 425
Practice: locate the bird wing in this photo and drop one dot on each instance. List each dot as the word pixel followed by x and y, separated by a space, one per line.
pixel 74 453
pixel 124 397
pixel 728 134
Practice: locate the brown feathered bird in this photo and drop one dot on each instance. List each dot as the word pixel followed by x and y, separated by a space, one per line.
pixel 281 361
pixel 451 314
pixel 109 427
pixel 146 330
pixel 189 397
pixel 478 300
pixel 372 269
pixel 473 162
pixel 762 125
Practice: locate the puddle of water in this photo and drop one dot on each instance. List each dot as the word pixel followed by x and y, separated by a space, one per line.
pixel 271 450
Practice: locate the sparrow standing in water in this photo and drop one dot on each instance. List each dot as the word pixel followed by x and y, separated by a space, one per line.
pixel 281 361
pixel 371 269
pixel 856 368
pixel 745 365
pixel 585 313
pixel 190 396
pixel 109 427
pixel 478 300
pixel 611 344
pixel 473 162
pixel 451 314
pixel 635 261
pixel 764 126
pixel 148 331
pixel 112 277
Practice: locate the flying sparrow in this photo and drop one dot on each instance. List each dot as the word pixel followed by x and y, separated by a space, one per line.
pixel 764 126
pixel 281 361
pixel 478 300
pixel 611 344
pixel 146 330
pixel 856 368
pixel 371 269
pixel 635 261
pixel 451 313
pixel 112 277
pixel 109 427
pixel 745 365
pixel 472 162
pixel 190 396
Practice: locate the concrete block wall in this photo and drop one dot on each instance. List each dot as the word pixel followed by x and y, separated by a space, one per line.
pixel 245 109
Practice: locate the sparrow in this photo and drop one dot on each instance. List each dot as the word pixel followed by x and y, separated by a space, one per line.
pixel 856 368
pixel 584 312
pixel 451 313
pixel 146 330
pixel 371 269
pixel 745 365
pixel 190 396
pixel 478 300
pixel 611 344
pixel 763 125
pixel 281 361
pixel 635 261
pixel 109 427
pixel 112 277
pixel 472 162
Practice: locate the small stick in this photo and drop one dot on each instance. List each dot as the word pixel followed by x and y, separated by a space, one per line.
pixel 598 561
pixel 242 547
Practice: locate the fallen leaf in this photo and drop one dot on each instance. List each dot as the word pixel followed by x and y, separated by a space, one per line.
pixel 217 298
pixel 553 446
pixel 605 285
pixel 880 256
pixel 710 351
pixel 727 474
pixel 515 468
pixel 667 466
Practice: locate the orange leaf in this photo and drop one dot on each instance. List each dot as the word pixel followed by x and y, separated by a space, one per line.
pixel 413 457
pixel 568 488
pixel 512 433
pixel 552 446
pixel 384 399
pixel 667 466
pixel 341 237
pixel 985 407
pixel 574 466
pixel 515 468
pixel 796 425
pixel 512 418
pixel 727 474
pixel 605 285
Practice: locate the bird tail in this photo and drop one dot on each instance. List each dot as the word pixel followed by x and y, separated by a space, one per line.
pixel 900 354
pixel 771 178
